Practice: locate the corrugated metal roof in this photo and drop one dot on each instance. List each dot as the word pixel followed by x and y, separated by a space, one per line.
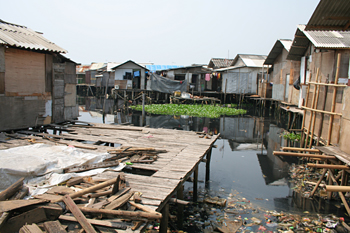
pixel 23 37
pixel 277 50
pixel 330 15
pixel 141 66
pixel 80 69
pixel 320 39
pixel 251 60
pixel 97 65
pixel 220 62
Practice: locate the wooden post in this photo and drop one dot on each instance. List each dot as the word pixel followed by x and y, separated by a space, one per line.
pixel 207 166
pixel 339 192
pixel 195 184
pixel 225 90
pixel 180 208
pixel 331 117
pixel 164 221
pixel 314 115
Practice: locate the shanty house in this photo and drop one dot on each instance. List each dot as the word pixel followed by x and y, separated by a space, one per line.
pixel 194 75
pixel 324 57
pixel 242 76
pixel 130 75
pixel 283 73
pixel 37 83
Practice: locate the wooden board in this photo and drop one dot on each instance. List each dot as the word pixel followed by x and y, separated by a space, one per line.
pixel 15 204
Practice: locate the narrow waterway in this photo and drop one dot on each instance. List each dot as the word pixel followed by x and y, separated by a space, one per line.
pixel 242 164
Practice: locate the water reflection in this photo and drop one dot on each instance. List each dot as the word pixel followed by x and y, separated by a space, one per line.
pixel 243 160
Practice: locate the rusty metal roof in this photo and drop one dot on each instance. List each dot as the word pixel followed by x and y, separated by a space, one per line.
pixel 320 39
pixel 23 37
pixel 277 50
pixel 220 63
pixel 330 15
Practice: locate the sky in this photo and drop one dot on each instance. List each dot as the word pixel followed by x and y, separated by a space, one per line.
pixel 181 32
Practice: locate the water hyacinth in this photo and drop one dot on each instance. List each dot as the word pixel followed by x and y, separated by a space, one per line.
pixel 209 111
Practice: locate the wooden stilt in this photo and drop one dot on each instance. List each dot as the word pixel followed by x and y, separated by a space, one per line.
pixel 164 221
pixel 180 208
pixel 314 115
pixel 207 167
pixel 341 195
pixel 195 184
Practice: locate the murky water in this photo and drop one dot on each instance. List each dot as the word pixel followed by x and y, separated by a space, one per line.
pixel 242 164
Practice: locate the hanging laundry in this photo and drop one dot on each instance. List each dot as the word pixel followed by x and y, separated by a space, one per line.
pixel 137 74
pixel 207 77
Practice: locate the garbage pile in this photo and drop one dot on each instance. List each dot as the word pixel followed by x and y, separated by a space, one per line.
pixel 238 214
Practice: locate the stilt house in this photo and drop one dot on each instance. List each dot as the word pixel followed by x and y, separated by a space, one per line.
pixel 283 73
pixel 37 83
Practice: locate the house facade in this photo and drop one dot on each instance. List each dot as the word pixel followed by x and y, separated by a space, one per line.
pixel 130 75
pixel 37 83
pixel 283 73
pixel 242 76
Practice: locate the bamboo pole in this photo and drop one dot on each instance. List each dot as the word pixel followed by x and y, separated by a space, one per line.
pixel 314 116
pixel 330 127
pixel 303 155
pixel 304 116
pixel 328 84
pixel 318 182
pixel 311 113
pixel 300 149
pixel 321 111
pixel 329 166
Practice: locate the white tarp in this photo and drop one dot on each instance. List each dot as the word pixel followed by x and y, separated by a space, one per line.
pixel 42 165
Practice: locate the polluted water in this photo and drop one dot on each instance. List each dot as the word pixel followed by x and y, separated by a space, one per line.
pixel 248 188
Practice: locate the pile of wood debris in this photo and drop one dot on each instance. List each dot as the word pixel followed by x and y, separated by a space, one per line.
pixel 83 204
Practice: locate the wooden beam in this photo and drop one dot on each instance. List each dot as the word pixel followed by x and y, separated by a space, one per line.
pixel 303 155
pixel 337 188
pixel 78 214
pixel 119 201
pixel 339 192
pixel 104 223
pixel 30 229
pixel 164 222
pixel 15 204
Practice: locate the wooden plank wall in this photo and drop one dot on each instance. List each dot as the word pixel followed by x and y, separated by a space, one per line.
pixel 2 69
pixel 25 72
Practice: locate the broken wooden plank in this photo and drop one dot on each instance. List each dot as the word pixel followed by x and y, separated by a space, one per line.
pixel 78 214
pixel 119 201
pixel 91 189
pixel 105 223
pixel 54 227
pixel 15 223
pixel 11 190
pixel 75 180
pixel 136 215
pixel 15 204
pixel 143 207
pixel 30 229
pixel 82 168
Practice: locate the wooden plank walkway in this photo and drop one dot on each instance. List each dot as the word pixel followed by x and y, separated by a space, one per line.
pixel 185 150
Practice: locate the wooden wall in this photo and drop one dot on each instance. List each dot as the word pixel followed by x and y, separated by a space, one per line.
pixel 2 70
pixel 25 72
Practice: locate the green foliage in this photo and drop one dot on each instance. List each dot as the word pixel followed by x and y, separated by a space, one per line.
pixel 209 111
pixel 292 136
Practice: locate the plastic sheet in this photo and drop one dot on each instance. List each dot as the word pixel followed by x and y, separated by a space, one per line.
pixel 43 164
pixel 165 85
